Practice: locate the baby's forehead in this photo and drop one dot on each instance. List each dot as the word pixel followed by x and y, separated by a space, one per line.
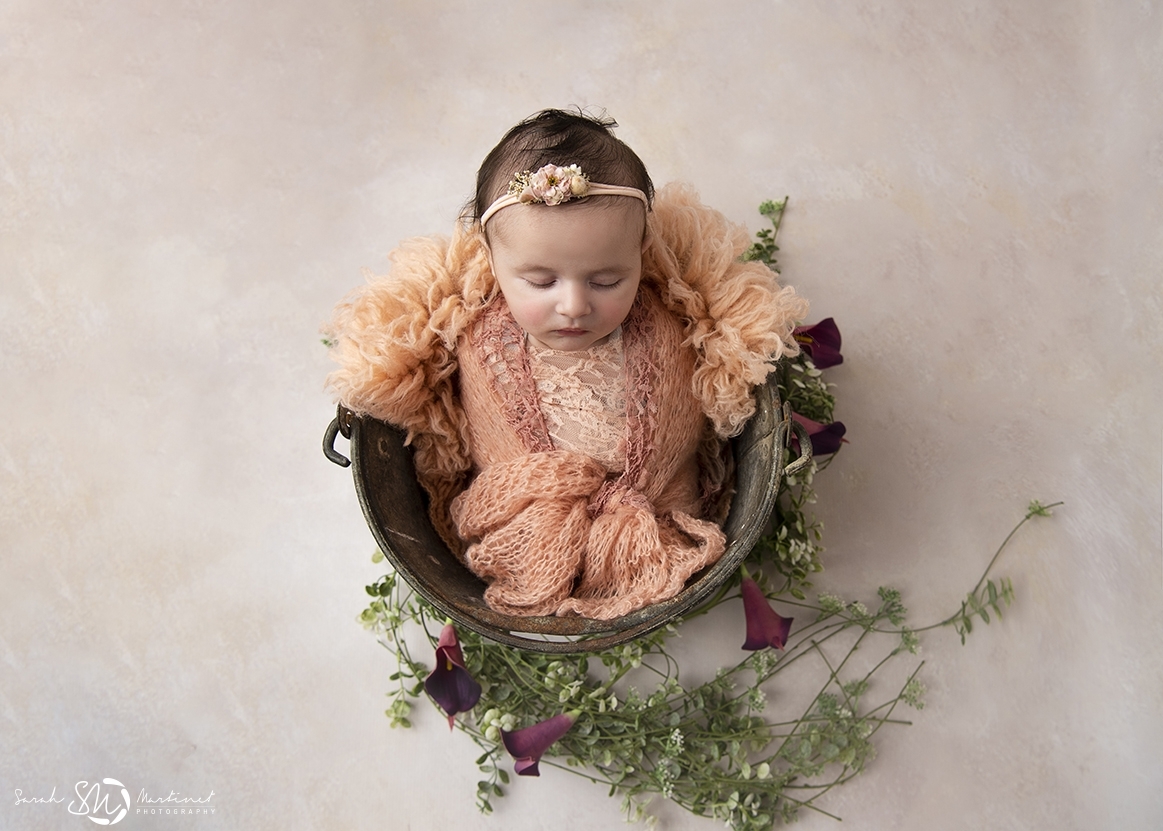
pixel 613 214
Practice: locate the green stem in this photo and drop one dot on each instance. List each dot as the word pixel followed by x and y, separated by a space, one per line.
pixel 1040 510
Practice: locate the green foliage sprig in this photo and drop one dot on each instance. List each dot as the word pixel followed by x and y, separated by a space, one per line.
pixel 794 545
pixel 987 595
pixel 764 247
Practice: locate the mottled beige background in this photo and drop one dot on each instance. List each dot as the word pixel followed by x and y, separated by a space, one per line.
pixel 188 186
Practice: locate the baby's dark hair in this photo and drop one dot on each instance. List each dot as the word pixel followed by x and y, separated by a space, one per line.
pixel 561 138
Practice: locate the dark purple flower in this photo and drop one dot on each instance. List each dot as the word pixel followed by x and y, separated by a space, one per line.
pixel 826 438
pixel 450 684
pixel 821 341
pixel 527 744
pixel 764 626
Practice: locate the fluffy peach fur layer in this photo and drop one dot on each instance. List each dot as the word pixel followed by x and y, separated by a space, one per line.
pixel 396 337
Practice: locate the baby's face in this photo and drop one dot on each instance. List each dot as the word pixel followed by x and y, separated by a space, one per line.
pixel 569 273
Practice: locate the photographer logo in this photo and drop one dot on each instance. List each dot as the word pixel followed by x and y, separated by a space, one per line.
pixel 108 801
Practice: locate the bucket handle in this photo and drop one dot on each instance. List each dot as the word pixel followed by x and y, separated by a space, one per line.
pixel 340 424
pixel 801 434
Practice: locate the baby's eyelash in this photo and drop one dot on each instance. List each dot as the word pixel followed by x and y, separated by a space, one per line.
pixel 535 284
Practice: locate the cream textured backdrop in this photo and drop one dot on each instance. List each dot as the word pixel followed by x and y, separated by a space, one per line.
pixel 188 186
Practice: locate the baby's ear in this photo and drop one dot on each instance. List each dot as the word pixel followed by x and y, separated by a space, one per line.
pixel 647 239
pixel 488 253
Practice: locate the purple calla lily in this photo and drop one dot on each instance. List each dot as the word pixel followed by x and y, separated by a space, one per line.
pixel 764 626
pixel 528 744
pixel 826 438
pixel 450 684
pixel 821 341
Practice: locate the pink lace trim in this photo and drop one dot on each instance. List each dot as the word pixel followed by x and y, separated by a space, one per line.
pixel 641 405
pixel 502 346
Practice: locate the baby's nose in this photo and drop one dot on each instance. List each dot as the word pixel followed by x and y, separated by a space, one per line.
pixel 574 301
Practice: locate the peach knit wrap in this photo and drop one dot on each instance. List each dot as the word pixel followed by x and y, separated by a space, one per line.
pixel 550 530
pixel 432 349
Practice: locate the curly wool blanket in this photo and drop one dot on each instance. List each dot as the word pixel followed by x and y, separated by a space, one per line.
pixel 550 530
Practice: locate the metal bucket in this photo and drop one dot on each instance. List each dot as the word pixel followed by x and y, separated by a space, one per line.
pixel 396 510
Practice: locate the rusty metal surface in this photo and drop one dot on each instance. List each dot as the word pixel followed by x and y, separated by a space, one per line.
pixel 394 505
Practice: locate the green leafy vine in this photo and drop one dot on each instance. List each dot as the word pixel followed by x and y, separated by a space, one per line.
pixel 710 746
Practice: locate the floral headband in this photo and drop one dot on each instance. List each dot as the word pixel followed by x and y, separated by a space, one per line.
pixel 552 185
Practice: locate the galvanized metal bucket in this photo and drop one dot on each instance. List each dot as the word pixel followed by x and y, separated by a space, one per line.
pixel 395 507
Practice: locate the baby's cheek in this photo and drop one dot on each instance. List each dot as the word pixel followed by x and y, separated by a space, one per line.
pixel 528 312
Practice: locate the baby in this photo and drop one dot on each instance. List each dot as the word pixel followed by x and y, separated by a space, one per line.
pixel 568 368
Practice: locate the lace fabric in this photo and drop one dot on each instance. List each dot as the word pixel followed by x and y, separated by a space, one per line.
pixel 583 399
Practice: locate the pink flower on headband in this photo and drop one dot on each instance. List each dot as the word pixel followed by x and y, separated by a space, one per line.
pixel 551 185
